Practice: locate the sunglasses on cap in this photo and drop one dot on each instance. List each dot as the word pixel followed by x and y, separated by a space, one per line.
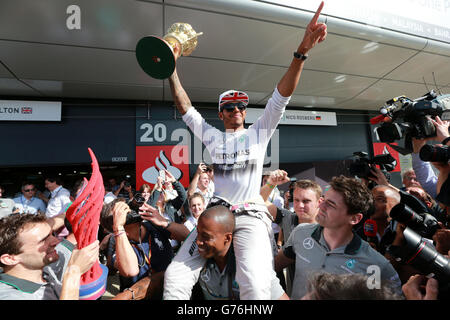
pixel 231 106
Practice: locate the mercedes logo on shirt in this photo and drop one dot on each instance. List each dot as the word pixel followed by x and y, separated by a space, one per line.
pixel 308 243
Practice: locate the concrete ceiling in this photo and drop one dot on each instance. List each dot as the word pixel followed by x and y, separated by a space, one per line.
pixel 245 45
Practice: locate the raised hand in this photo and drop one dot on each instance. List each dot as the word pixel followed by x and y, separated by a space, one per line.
pixel 420 287
pixel 315 32
pixel 441 129
pixel 278 177
pixel 169 177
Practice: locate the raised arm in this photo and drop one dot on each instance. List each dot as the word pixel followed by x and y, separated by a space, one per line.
pixel 315 32
pixel 80 261
pixel 126 259
pixel 194 182
pixel 180 97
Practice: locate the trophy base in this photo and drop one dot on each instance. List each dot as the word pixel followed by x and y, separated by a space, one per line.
pixel 95 289
pixel 155 57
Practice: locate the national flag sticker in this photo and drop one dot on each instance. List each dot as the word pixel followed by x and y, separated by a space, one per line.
pixel 318 118
pixel 27 110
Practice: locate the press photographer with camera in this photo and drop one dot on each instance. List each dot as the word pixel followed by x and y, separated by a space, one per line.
pixel 424 172
pixel 138 248
pixel 419 243
pixel 365 168
pixel 125 190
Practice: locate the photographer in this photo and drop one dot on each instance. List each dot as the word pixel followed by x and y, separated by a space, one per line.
pixel 138 248
pixel 424 172
pixel 124 190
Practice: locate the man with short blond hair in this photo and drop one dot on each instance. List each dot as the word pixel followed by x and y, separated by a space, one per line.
pixel 307 196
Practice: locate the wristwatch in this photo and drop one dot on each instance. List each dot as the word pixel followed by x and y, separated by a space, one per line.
pixel 132 293
pixel 300 56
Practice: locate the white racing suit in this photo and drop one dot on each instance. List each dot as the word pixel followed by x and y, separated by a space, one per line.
pixel 238 159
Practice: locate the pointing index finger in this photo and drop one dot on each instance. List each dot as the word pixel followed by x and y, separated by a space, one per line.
pixel 317 14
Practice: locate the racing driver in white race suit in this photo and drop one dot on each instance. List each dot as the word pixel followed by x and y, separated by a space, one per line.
pixel 238 156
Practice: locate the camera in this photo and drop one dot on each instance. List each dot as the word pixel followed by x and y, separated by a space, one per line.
pixel 362 164
pixel 403 117
pixel 424 224
pixel 133 216
pixel 291 189
pixel 435 153
pixel 422 255
pixel 137 201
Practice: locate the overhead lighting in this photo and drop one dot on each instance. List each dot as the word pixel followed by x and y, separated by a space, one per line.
pixel 371 46
pixel 340 78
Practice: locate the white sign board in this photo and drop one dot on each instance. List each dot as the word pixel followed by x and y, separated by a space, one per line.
pixel 15 110
pixel 426 18
pixel 297 117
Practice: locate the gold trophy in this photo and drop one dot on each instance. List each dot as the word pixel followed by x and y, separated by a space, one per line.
pixel 156 56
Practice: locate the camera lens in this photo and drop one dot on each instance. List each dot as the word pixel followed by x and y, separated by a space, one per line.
pixel 423 256
pixel 404 214
pixel 434 153
pixel 426 225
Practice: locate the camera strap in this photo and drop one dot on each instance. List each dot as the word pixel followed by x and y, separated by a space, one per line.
pixel 140 249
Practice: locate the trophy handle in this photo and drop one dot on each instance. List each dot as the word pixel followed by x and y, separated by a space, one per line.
pixel 156 56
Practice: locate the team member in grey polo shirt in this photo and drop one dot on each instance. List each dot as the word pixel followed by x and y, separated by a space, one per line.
pixel 306 198
pixel 331 246
pixel 217 278
pixel 36 266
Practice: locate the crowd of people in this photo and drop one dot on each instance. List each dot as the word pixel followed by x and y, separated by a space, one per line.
pixel 231 234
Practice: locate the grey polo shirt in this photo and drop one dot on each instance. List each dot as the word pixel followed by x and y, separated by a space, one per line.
pixel 311 253
pixel 217 285
pixel 12 288
pixel 287 220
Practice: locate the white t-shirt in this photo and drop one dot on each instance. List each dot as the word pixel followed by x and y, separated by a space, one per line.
pixel 238 157
pixel 110 196
pixel 60 198
pixel 190 223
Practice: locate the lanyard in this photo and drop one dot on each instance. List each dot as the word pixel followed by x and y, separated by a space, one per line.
pixel 147 259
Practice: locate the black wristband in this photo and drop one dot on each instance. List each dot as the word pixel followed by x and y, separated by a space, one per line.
pixel 300 56
pixel 444 142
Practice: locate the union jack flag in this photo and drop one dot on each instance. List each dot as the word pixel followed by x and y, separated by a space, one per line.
pixel 27 110
pixel 232 96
